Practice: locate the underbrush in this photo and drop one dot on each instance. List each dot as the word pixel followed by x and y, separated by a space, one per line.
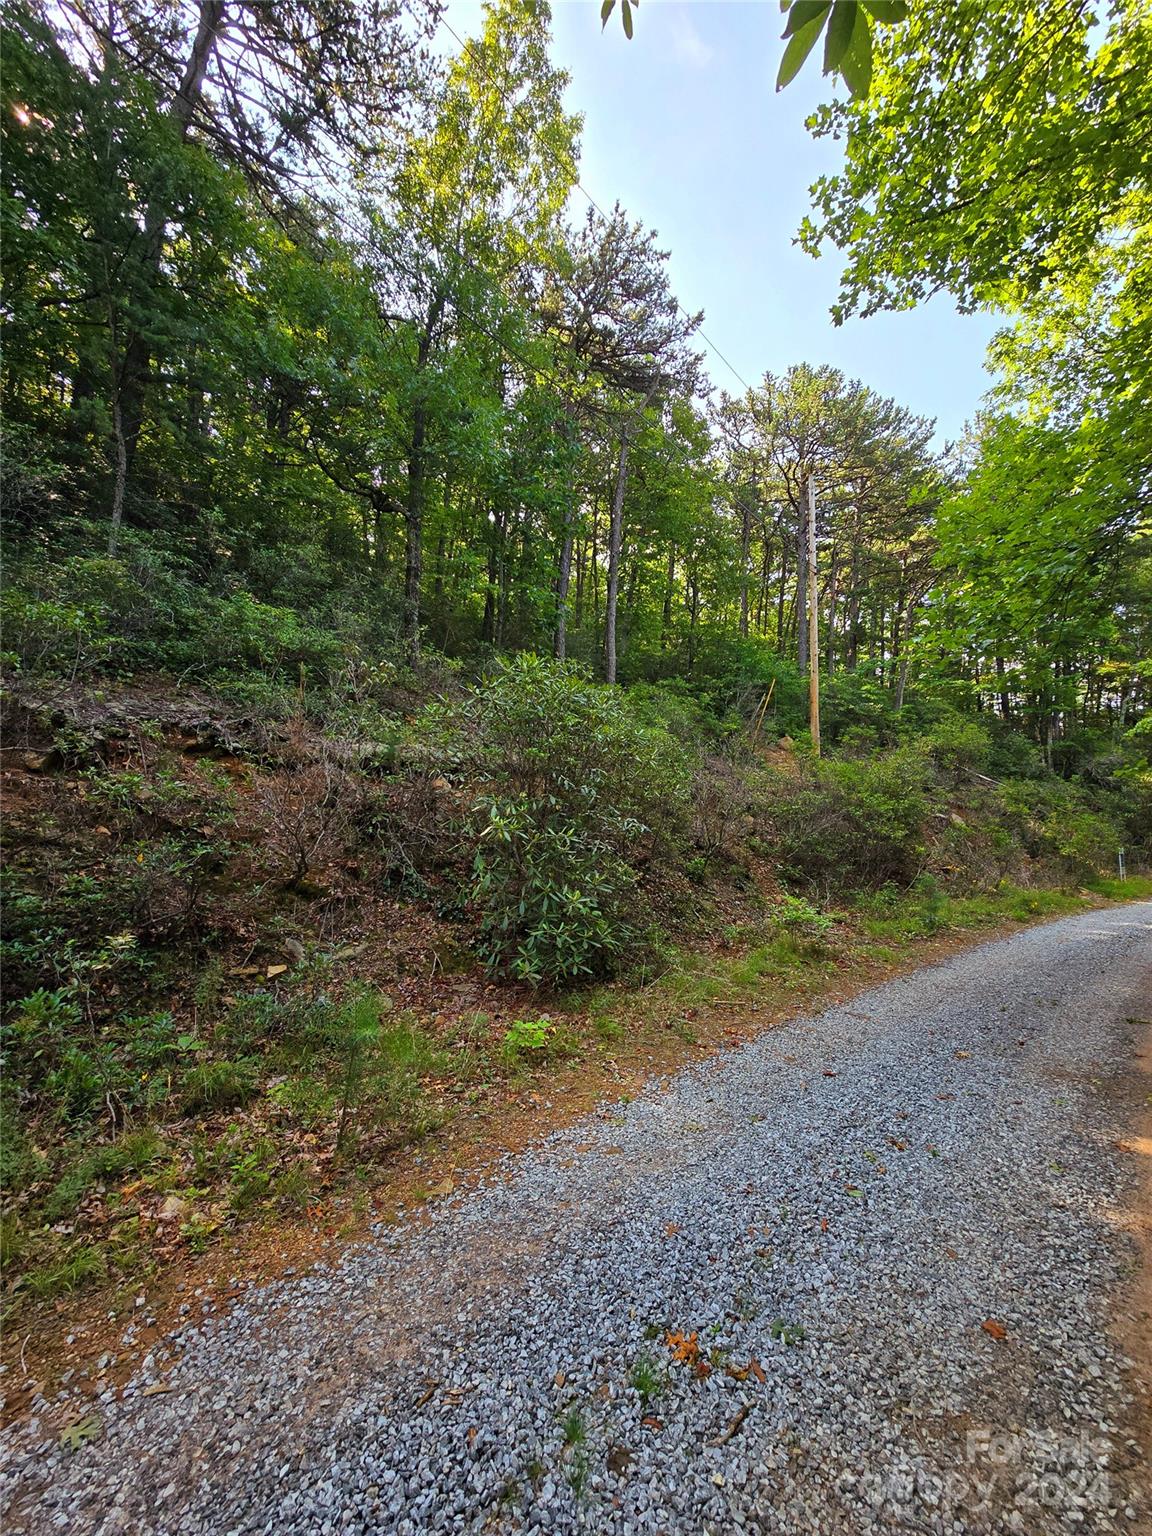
pixel 280 1097
pixel 251 955
pixel 926 910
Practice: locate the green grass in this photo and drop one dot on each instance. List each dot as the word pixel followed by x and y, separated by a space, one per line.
pixel 1134 888
pixel 646 1379
pixel 84 1263
pixel 904 916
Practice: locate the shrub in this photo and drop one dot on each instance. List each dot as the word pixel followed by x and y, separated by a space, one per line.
pixel 553 903
pixel 958 744
pixel 544 731
pixel 794 913
pixel 1057 821
pixel 851 825
pixel 576 788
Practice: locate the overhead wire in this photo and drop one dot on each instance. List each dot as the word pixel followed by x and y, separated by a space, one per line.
pixel 569 168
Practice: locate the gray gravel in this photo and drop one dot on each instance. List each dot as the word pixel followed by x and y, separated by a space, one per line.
pixel 844 1202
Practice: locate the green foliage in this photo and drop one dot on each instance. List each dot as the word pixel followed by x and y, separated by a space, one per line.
pixel 575 786
pixel 219 1084
pixel 847 28
pixel 1057 821
pixel 553 902
pixel 851 825
pixel 793 912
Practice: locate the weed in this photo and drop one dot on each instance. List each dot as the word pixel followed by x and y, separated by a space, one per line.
pixel 83 1263
pixel 219 1085
pixel 647 1379
pixel 573 1431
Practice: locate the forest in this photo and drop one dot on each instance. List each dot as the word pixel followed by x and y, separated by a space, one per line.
pixel 407 643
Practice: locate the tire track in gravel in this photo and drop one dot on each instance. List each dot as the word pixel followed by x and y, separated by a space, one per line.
pixel 844 1201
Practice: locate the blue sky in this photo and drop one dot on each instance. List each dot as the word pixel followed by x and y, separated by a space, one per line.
pixel 683 125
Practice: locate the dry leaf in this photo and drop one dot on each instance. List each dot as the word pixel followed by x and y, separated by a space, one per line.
pixel 758 1371
pixel 275 970
pixel 671 1229
pixel 618 1458
pixel 997 1330
pixel 650 1421
pixel 685 1347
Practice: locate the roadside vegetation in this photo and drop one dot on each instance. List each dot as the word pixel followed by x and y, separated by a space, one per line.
pixel 406 650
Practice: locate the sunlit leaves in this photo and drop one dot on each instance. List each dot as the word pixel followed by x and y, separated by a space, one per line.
pixel 846 26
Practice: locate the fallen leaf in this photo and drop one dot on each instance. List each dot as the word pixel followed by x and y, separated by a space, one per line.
pixel 618 1458
pixel 951 1252
pixel 828 1072
pixel 823 1223
pixel 894 1141
pixel 650 1421
pixel 559 1379
pixel 275 970
pixel 671 1229
pixel 445 1187
pixel 758 1371
pixel 156 1389
pixel 685 1347
pixel 995 1329
pixel 81 1432
pixel 962 1055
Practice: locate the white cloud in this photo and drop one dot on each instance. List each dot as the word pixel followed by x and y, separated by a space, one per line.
pixel 688 44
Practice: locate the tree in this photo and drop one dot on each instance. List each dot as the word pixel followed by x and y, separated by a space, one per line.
pixel 1000 146
pixel 614 307
pixel 475 201
pixel 869 459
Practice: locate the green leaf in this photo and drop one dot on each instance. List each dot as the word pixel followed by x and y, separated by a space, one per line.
pixel 843 22
pixel 887 12
pixel 798 49
pixel 626 17
pixel 804 11
pixel 856 65
pixel 605 11
pixel 81 1432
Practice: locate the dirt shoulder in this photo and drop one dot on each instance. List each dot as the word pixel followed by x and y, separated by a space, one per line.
pixel 713 1002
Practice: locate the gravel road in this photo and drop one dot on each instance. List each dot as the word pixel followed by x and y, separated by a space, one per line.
pixel 854 1277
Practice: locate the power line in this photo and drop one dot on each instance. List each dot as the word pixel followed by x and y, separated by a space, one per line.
pixel 570 169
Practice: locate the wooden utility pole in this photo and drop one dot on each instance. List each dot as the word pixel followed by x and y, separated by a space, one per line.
pixel 813 624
